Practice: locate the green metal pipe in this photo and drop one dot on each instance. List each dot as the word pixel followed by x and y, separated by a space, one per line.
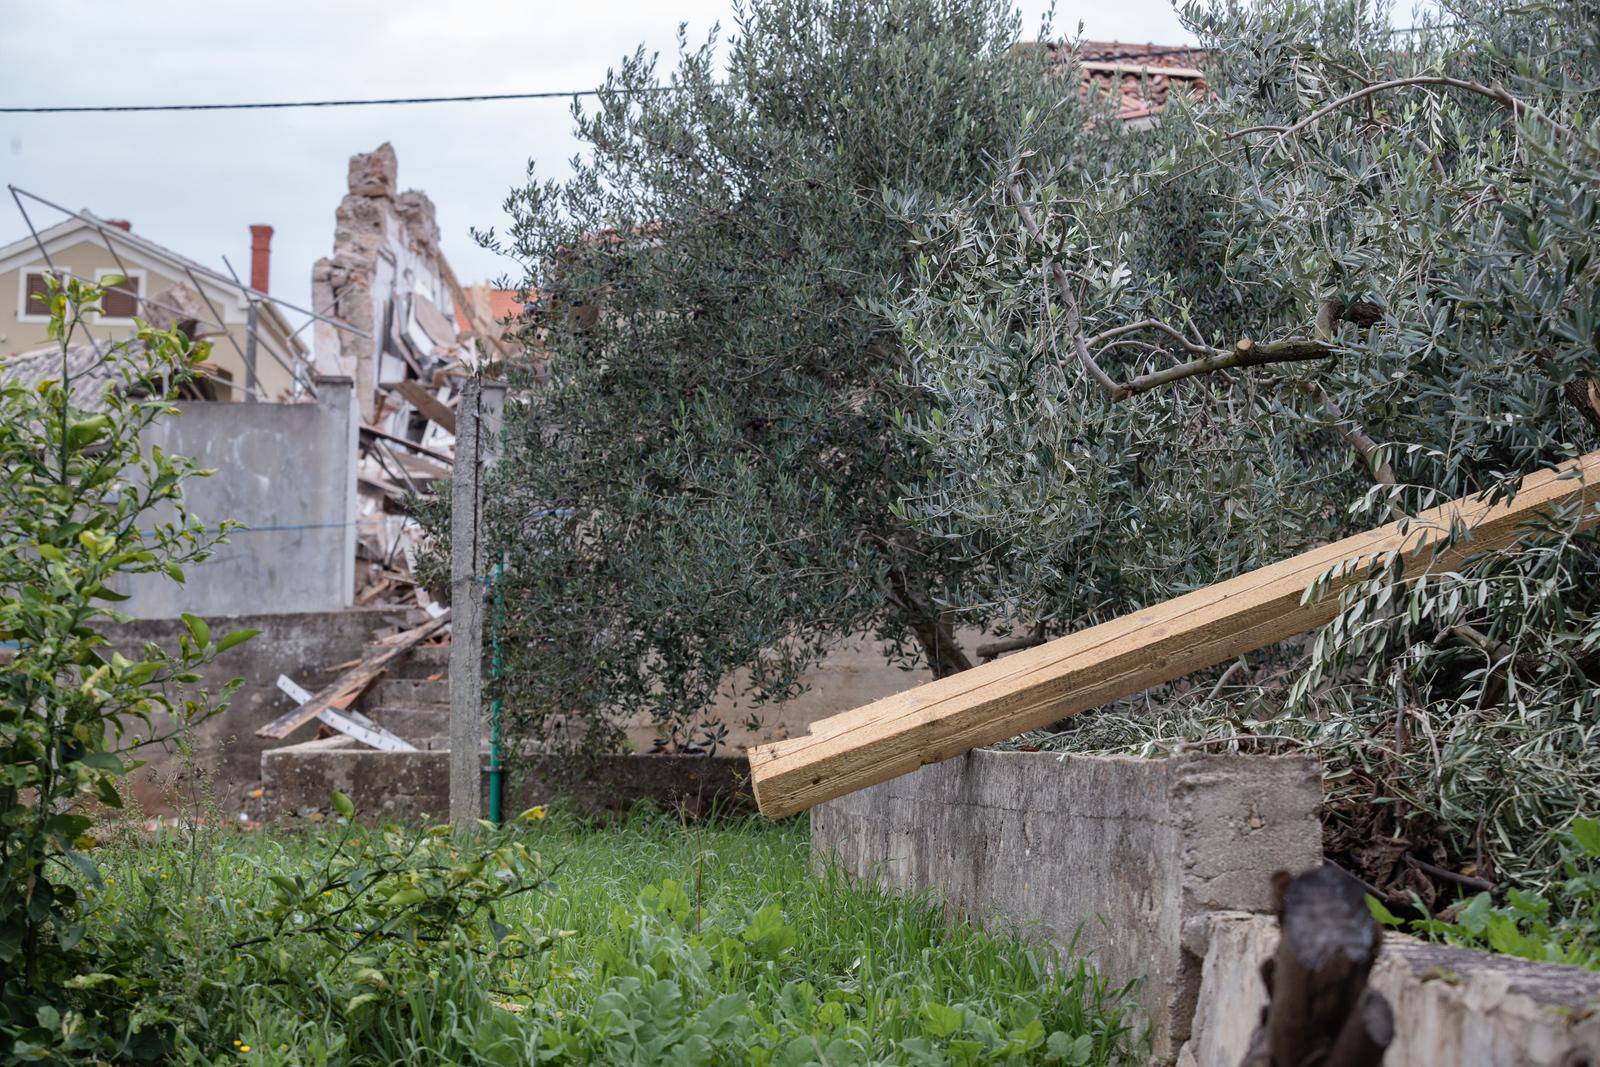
pixel 497 770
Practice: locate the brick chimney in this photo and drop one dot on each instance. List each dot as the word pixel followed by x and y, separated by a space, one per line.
pixel 121 224
pixel 260 256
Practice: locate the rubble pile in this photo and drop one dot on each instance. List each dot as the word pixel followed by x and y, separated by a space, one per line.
pixel 424 335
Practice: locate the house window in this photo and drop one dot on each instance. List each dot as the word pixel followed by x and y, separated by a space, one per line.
pixel 121 301
pixel 35 296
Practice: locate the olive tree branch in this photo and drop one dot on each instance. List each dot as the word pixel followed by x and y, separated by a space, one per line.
pixel 995 649
pixel 1246 353
pixel 1518 108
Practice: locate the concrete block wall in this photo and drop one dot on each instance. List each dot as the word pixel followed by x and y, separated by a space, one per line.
pixel 1121 858
pixel 226 748
pixel 287 471
pixel 415 786
pixel 1451 1006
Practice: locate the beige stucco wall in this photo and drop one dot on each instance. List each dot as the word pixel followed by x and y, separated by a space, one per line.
pixel 23 330
pixel 855 673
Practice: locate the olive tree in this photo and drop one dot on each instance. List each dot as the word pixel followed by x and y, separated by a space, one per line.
pixel 1389 300
pixel 701 484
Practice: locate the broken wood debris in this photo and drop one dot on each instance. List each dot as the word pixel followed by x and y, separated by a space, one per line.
pixel 343 690
pixel 349 722
pixel 1037 686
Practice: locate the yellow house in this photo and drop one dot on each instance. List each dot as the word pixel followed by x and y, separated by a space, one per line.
pixel 255 353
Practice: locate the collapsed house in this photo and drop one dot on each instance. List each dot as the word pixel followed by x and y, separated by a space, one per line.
pixel 420 335
pixel 317 447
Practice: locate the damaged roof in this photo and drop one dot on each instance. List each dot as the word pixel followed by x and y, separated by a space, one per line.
pixel 1141 77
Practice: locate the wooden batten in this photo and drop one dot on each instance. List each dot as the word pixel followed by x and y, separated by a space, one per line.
pixel 345 689
pixel 1035 687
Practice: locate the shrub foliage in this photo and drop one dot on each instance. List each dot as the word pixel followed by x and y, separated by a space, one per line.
pixel 1403 224
pixel 702 483
pixel 82 504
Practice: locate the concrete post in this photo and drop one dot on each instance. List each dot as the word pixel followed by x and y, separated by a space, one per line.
pixel 336 393
pixel 478 420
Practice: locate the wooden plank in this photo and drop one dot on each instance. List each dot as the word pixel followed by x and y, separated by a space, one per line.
pixel 383 435
pixel 343 690
pixel 349 722
pixel 426 403
pixel 1128 655
pixel 1141 68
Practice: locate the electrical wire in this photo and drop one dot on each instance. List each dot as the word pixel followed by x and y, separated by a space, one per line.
pixel 278 105
pixel 281 104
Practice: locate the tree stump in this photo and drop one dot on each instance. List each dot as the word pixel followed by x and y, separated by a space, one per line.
pixel 1319 1010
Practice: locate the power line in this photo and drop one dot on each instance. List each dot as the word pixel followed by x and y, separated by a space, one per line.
pixel 372 102
pixel 473 98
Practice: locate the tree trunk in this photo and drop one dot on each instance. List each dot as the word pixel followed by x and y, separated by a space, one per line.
pixel 929 626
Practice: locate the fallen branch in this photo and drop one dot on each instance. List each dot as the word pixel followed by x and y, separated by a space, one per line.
pixel 1467 880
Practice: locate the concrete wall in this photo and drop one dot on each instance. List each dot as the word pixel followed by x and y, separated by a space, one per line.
pixel 226 748
pixel 1451 1006
pixel 857 672
pixel 288 472
pixel 409 786
pixel 1117 857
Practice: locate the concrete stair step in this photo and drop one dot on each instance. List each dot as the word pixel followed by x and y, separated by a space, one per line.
pixel 407 692
pixel 421 662
pixel 412 724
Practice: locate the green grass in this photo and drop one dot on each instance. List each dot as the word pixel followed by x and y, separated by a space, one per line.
pixel 655 944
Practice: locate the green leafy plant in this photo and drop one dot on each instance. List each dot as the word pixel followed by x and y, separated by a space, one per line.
pixel 735 987
pixel 369 925
pixel 383 905
pixel 1560 926
pixel 1383 296
pixel 700 491
pixel 83 503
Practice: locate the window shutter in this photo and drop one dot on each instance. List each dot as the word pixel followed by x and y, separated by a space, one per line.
pixel 35 294
pixel 122 300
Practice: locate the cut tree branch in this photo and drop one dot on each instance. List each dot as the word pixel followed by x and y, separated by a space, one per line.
pixel 1246 353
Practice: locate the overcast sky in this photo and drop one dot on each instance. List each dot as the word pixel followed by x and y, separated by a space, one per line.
pixel 195 181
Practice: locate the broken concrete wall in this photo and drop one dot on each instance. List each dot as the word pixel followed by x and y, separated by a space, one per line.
pixel 226 748
pixel 287 471
pixel 1116 858
pixel 387 277
pixel 1451 1005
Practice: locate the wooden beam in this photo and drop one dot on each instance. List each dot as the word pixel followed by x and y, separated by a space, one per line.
pixel 343 690
pixel 1071 674
pixel 1141 68
pixel 425 402
pixel 373 431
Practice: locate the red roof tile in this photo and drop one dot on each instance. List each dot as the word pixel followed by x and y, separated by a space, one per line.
pixel 1141 75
